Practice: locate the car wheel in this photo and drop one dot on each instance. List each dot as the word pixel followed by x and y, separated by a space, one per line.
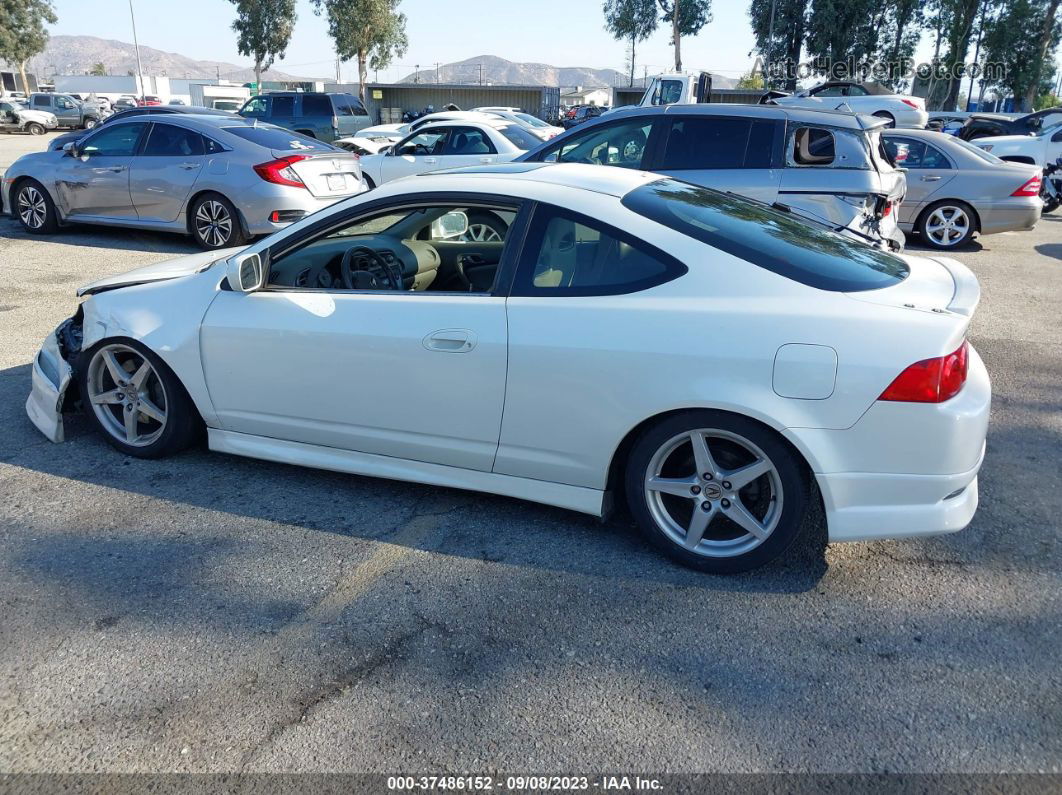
pixel 715 491
pixel 215 222
pixel 35 209
pixel 889 118
pixel 90 123
pixel 947 224
pixel 35 129
pixel 135 400
pixel 485 228
pixel 1051 204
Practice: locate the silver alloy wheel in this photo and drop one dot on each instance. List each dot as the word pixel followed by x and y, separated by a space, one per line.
pixel 482 233
pixel 127 395
pixel 213 223
pixel 729 503
pixel 32 208
pixel 90 123
pixel 947 225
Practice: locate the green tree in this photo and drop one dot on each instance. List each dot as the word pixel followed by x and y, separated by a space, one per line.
pixel 783 41
pixel 904 20
pixel 372 31
pixel 686 18
pixel 843 35
pixel 98 69
pixel 956 20
pixel 22 31
pixel 752 80
pixel 630 20
pixel 1012 41
pixel 264 30
pixel 1046 42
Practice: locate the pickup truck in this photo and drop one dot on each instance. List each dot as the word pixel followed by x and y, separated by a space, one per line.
pixel 67 110
pixel 15 118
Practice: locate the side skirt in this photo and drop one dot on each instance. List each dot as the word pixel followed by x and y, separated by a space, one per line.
pixel 574 498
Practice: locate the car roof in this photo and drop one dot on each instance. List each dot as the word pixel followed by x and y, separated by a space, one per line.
pixel 832 118
pixel 495 123
pixel 608 180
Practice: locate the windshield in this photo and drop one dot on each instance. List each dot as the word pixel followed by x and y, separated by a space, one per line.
pixel 1049 130
pixel 770 239
pixel 988 157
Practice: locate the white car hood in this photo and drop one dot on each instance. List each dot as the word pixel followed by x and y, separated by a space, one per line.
pixel 160 271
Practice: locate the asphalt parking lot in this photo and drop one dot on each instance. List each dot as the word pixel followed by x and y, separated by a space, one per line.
pixel 212 613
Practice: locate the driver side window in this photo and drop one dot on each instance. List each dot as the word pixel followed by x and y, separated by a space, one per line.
pixel 119 140
pixel 429 142
pixel 620 145
pixel 437 247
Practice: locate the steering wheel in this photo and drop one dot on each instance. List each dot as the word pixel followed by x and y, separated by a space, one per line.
pixel 362 268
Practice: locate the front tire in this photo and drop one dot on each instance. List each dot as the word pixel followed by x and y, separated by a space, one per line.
pixel 947 225
pixel 33 128
pixel 716 491
pixel 35 208
pixel 215 222
pixel 135 400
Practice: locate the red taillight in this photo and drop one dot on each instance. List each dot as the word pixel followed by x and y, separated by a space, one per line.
pixel 931 380
pixel 280 172
pixel 887 211
pixel 910 102
pixel 1030 188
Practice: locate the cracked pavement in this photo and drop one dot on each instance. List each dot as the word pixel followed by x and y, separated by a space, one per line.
pixel 215 614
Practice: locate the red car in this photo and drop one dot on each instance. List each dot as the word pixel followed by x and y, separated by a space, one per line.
pixel 148 99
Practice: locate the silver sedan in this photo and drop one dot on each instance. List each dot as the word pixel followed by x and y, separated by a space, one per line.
pixel 955 190
pixel 222 179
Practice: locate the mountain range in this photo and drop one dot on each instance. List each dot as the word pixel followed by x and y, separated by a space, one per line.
pixel 498 71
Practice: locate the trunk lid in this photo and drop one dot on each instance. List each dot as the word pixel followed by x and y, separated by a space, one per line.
pixel 935 284
pixel 334 173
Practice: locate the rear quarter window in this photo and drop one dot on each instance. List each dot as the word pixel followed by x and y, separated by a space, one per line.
pixel 766 237
pixel 316 105
pixel 715 142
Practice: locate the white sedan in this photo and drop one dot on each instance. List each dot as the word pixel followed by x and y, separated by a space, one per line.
pixel 872 99
pixel 449 144
pixel 710 359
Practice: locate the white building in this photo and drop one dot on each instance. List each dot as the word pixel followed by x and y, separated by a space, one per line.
pixel 586 96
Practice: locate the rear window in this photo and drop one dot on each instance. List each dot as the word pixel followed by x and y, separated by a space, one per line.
pixel 316 105
pixel 283 106
pixel 519 137
pixel 707 142
pixel 766 237
pixel 278 138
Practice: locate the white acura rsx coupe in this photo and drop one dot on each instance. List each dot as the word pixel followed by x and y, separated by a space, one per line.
pixel 719 363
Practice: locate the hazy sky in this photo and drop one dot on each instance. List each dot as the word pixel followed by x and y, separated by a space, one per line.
pixel 558 32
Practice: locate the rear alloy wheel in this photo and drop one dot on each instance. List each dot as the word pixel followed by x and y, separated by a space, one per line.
pixel 947 225
pixel 136 401
pixel 485 228
pixel 35 209
pixel 90 123
pixel 215 223
pixel 33 128
pixel 715 491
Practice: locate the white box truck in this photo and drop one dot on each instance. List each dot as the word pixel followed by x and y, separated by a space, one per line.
pixel 218 97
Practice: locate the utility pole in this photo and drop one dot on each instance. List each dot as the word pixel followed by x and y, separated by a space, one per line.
pixel 136 46
pixel 770 46
pixel 416 73
pixel 977 52
pixel 338 76
pixel 437 65
pixel 480 67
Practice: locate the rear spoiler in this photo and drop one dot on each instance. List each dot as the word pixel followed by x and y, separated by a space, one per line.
pixel 967 290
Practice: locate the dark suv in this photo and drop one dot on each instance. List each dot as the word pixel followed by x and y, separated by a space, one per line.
pixel 316 115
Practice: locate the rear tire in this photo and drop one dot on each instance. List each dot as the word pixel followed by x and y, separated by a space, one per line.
pixel 145 413
pixel 90 123
pixel 485 227
pixel 35 129
pixel 947 225
pixel 736 507
pixel 34 208
pixel 215 222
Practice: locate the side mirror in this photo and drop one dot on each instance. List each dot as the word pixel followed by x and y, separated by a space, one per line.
pixel 70 148
pixel 244 272
pixel 453 224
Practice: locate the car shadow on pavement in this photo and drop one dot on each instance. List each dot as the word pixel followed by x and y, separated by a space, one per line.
pixel 81 235
pixel 1050 250
pixel 197 484
pixel 914 243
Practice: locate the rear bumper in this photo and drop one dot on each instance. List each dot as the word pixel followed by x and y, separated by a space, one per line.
pixel 258 205
pixel 1010 215
pixel 905 469
pixel 912 119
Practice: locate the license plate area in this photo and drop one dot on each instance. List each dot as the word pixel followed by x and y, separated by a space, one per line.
pixel 336 181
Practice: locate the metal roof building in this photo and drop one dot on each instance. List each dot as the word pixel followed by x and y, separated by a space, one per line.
pixel 384 99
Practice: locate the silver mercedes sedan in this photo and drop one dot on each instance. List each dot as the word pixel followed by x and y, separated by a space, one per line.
pixel 955 190
pixel 221 179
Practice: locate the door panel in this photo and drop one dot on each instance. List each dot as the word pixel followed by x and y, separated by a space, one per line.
pixel 415 376
pixel 96 183
pixel 162 176
pixel 418 153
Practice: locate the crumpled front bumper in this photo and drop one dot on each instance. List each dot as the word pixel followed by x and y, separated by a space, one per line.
pixel 50 379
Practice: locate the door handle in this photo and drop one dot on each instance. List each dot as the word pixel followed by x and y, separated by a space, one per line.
pixel 486 160
pixel 928 178
pixel 113 169
pixel 190 166
pixel 451 340
pixel 430 160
